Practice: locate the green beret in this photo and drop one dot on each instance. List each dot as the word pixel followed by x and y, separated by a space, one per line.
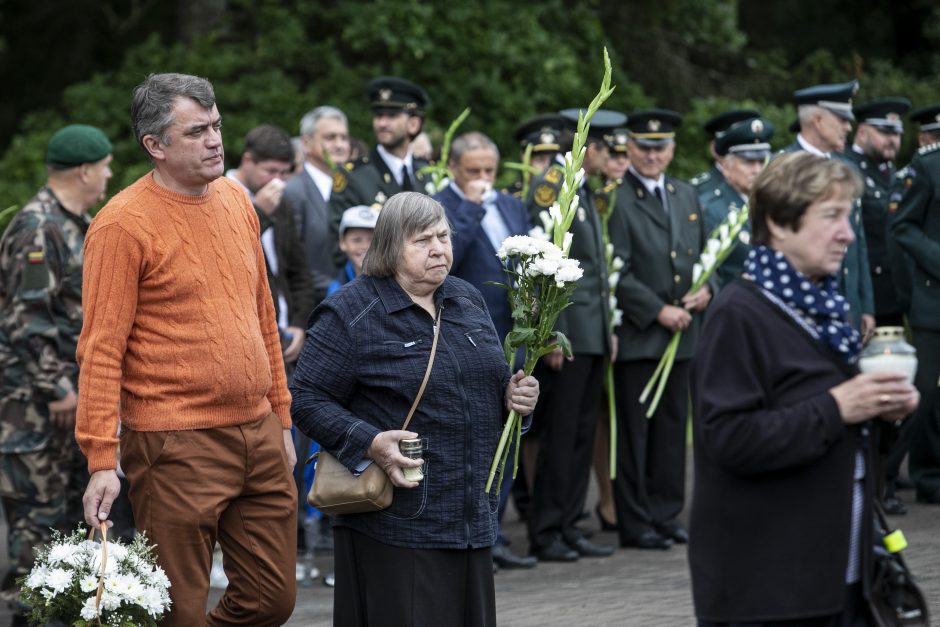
pixel 76 144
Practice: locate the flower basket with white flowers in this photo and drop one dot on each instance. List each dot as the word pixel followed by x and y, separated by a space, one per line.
pixel 721 241
pixel 82 583
pixel 541 279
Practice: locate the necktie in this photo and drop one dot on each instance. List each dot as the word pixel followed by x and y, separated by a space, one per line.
pixel 659 196
pixel 406 185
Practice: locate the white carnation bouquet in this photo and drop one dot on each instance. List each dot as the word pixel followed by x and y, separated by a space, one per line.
pixel 83 582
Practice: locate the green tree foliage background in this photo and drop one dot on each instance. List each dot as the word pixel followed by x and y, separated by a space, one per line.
pixel 273 60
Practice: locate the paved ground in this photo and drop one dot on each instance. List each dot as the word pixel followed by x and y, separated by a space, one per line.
pixel 631 588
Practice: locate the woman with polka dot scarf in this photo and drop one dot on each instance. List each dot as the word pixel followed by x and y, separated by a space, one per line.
pixel 785 424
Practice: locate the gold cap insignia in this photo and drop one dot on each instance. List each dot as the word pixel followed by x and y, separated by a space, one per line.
pixel 546 138
pixel 894 117
pixel 385 94
pixel 654 125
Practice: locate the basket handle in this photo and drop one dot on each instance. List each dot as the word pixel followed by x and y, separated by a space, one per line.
pixel 104 563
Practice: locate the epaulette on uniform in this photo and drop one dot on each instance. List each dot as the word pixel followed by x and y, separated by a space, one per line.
pixel 699 179
pixel 929 148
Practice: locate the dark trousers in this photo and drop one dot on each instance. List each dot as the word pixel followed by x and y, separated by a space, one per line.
pixel 379 585
pixel 921 432
pixel 233 485
pixel 649 490
pixel 567 410
pixel 853 615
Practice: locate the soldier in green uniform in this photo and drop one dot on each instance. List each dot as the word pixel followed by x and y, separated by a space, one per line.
pixel 41 468
pixel 874 147
pixel 573 388
pixel 397 118
pixel 915 223
pixel 743 150
pixel 707 182
pixel 542 133
pixel 825 116
pixel 657 230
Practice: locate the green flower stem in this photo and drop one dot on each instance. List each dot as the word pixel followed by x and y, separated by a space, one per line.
pixel 502 450
pixel 612 416
pixel 669 358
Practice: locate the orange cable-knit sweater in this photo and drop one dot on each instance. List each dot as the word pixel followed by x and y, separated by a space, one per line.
pixel 179 330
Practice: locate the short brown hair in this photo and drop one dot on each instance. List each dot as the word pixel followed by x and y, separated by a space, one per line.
pixel 403 215
pixel 791 183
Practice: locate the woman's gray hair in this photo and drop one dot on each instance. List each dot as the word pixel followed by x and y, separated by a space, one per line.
pixel 152 107
pixel 403 215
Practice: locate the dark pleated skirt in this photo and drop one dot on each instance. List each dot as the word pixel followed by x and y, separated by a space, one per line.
pixel 378 585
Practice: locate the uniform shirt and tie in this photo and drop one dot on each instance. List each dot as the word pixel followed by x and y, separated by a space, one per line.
pixel 402 169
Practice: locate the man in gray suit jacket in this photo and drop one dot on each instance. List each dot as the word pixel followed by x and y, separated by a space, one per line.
pixel 657 230
pixel 323 132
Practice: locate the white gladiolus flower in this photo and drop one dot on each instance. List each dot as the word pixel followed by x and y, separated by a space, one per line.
pixel 617 317
pixel 611 302
pixel 575 201
pixel 609 249
pixel 712 246
pixel 569 160
pixel 696 273
pixel 538 233
pixel 613 279
pixel 547 222
pixel 723 232
pixel 554 213
pixel 564 188
pixel 707 261
pixel 429 188
pixel 617 262
pixel 745 237
pixel 579 177
pixel 566 243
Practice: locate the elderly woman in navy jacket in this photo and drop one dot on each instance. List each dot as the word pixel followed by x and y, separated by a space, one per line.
pixel 781 513
pixel 426 559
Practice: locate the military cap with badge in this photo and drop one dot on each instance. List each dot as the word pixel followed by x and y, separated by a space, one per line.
pixel 835 98
pixel 927 117
pixel 602 124
pixel 749 140
pixel 542 132
pixel 883 114
pixel 653 127
pixel 390 93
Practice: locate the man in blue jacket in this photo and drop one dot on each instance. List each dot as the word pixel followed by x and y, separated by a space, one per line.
pixel 481 218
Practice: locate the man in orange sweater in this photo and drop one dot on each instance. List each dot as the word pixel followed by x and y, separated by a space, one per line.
pixel 180 347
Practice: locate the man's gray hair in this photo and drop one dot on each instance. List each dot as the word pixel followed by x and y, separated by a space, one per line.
pixel 152 107
pixel 471 141
pixel 806 112
pixel 308 123
pixel 403 215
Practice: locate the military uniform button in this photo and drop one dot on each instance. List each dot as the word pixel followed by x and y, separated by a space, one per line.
pixel 928 283
pixel 673 254
pixel 845 271
pixel 877 269
pixel 677 278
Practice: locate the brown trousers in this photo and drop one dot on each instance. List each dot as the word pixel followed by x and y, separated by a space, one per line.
pixel 233 485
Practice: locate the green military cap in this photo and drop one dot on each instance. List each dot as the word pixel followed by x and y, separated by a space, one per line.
pixel 76 144
pixel 603 122
pixel 724 120
pixel 541 132
pixel 653 127
pixel 749 139
pixel 835 98
pixel 884 113
pixel 390 93
pixel 617 140
pixel 928 117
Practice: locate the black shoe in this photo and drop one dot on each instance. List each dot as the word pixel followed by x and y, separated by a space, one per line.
pixel 507 559
pixel 892 504
pixel 675 532
pixel 605 525
pixel 557 551
pixel 933 498
pixel 586 548
pixel 584 533
pixel 647 540
pixel 903 483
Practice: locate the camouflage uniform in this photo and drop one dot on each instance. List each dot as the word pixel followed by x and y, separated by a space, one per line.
pixel 42 471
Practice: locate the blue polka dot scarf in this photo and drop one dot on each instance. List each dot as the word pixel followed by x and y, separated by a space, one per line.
pixel 818 308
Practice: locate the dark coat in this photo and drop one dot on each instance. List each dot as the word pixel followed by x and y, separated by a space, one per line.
pixel 366 353
pixel 881 248
pixel 774 467
pixel 586 321
pixel 658 250
pixel 293 279
pixel 311 218
pixel 475 259
pixel 715 210
pixel 916 227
